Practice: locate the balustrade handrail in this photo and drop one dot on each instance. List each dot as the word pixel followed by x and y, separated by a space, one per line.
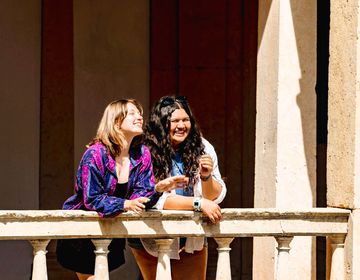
pixel 40 226
pixel 236 222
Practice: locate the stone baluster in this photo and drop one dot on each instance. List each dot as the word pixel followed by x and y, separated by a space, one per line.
pixel 39 271
pixel 101 261
pixel 223 271
pixel 282 265
pixel 163 270
pixel 337 271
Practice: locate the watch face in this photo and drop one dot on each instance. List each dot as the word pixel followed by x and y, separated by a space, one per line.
pixel 197 204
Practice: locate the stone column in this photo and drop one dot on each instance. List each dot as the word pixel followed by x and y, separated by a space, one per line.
pixel 101 261
pixel 282 267
pixel 223 270
pixel 285 160
pixel 343 153
pixel 163 270
pixel 39 263
pixel 337 258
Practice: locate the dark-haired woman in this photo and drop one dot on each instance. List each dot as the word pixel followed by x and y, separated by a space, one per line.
pixel 177 148
pixel 114 175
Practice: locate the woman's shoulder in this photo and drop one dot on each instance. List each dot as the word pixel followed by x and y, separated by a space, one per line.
pixel 207 144
pixel 145 152
pixel 96 150
pixel 142 152
pixel 208 148
pixel 145 149
pixel 97 147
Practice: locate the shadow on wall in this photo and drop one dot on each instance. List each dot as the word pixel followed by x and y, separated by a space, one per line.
pixel 305 36
pixel 306 99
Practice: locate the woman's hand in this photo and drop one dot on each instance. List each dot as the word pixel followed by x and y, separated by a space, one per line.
pixel 136 205
pixel 206 165
pixel 211 210
pixel 174 182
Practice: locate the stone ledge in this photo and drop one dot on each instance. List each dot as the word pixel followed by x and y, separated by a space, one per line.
pixel 53 224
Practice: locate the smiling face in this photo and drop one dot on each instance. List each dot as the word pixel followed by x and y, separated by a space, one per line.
pixel 180 126
pixel 133 122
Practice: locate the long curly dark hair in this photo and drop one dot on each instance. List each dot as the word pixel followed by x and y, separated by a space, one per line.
pixel 157 138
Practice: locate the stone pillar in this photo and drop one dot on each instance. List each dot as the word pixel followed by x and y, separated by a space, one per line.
pixel 283 248
pixel 337 258
pixel 163 270
pixel 285 161
pixel 223 270
pixel 39 263
pixel 101 261
pixel 343 154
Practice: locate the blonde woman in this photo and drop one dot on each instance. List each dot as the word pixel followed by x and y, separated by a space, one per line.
pixel 114 175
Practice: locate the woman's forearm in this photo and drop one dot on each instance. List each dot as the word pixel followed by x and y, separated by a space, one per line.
pixel 178 202
pixel 211 188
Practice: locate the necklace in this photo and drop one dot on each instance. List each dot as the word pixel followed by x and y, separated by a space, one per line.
pixel 178 169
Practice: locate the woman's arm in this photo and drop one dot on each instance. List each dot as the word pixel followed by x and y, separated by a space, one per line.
pixel 143 185
pixel 212 187
pixel 178 202
pixel 208 207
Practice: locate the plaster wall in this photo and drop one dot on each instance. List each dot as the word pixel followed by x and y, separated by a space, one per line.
pixel 285 166
pixel 111 61
pixel 20 37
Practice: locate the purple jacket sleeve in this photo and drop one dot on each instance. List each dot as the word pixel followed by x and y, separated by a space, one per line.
pixel 95 192
pixel 144 183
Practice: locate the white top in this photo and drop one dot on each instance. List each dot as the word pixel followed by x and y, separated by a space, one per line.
pixel 192 243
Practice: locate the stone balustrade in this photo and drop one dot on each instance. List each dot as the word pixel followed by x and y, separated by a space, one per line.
pixel 39 227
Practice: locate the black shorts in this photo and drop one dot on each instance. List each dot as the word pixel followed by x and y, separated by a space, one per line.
pixel 78 254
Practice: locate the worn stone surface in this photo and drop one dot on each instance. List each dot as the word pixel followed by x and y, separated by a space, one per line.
pixel 343 165
pixel 352 247
pixel 167 223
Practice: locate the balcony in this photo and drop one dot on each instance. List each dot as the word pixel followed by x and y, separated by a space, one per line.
pixel 39 227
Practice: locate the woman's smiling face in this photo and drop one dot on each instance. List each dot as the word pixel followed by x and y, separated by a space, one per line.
pixel 180 126
pixel 133 122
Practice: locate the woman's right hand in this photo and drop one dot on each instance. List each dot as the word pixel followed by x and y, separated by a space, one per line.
pixel 136 205
pixel 174 182
pixel 211 210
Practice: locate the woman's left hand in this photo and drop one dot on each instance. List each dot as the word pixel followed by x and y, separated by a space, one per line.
pixel 206 165
pixel 211 209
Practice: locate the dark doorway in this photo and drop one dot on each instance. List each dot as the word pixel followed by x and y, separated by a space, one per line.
pixel 323 26
pixel 206 50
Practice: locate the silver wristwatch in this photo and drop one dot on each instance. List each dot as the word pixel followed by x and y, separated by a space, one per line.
pixel 197 204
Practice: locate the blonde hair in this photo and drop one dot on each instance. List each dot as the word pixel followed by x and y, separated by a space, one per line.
pixel 109 132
